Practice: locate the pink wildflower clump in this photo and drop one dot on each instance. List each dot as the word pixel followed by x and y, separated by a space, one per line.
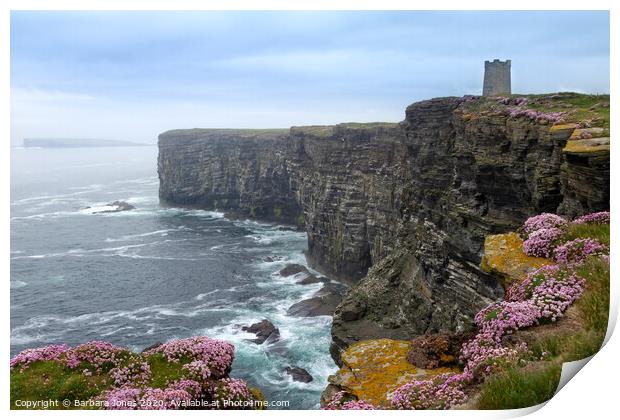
pixel 542 242
pixel 520 101
pixel 51 352
pixel 552 289
pixel 340 402
pixel 553 297
pixel 131 398
pixel 164 399
pixel 198 370
pixel 577 250
pixel 438 393
pixel 534 115
pixel 216 355
pixel 230 389
pixel 125 398
pixel 544 221
pixel 599 218
pixel 483 356
pixel 189 385
pixel 499 319
pixel 101 355
pixel 132 373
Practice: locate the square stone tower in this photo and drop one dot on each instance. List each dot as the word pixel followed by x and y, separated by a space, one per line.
pixel 496 78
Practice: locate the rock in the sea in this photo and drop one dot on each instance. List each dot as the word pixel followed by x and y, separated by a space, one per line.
pixel 309 279
pixel 324 302
pixel 114 207
pixel 299 374
pixel 265 332
pixel 272 258
pixel 292 269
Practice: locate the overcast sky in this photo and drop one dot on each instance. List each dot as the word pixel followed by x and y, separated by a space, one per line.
pixel 132 75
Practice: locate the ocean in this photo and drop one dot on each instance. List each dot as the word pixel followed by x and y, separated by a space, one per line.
pixel 138 277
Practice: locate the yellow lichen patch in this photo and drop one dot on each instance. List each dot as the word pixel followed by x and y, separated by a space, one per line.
pixel 374 368
pixel 504 257
pixel 589 132
pixel 560 127
pixel 587 145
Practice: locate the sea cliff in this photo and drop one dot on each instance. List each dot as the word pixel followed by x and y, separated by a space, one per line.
pixel 401 210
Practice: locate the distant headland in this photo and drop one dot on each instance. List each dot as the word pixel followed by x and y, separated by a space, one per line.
pixel 77 142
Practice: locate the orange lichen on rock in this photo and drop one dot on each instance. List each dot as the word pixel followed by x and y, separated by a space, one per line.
pixel 374 368
pixel 561 127
pixel 504 257
pixel 587 145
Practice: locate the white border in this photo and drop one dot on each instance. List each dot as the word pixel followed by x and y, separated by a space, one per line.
pixel 593 394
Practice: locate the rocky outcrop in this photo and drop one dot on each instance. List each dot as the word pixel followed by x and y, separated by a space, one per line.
pixel 324 302
pixel 504 258
pixel 399 210
pixel 293 269
pixel 113 207
pixel 585 176
pixel 265 332
pixel 436 350
pixel 298 374
pixel 372 369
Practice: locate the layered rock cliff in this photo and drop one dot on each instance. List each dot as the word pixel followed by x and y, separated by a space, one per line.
pixel 403 207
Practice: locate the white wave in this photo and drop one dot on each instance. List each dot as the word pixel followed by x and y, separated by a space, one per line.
pixel 79 252
pixel 143 181
pixel 156 257
pixel 41 216
pixel 147 199
pixel 80 190
pixel 18 284
pixel 161 232
pixel 114 330
pixel 201 296
pixel 207 213
pixel 232 246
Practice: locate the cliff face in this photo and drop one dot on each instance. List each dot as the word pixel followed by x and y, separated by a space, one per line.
pixel 240 171
pixel 412 202
pixel 467 175
pixel 348 180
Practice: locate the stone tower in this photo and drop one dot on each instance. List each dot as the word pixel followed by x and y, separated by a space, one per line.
pixel 496 78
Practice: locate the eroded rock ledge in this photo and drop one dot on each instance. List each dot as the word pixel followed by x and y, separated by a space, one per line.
pixel 402 207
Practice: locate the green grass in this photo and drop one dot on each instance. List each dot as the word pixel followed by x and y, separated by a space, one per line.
pixel 51 380
pixel 330 130
pixel 577 107
pixel 593 231
pixel 163 371
pixel 520 387
pixel 594 304
pixel 47 380
pixel 250 133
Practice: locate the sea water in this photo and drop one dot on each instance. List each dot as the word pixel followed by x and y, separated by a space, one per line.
pixel 154 273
